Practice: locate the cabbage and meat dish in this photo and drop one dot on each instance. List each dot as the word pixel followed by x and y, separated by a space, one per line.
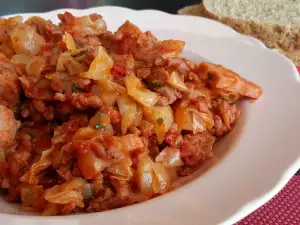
pixel 92 120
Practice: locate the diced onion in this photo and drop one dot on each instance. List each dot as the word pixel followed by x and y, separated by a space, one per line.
pixel 140 94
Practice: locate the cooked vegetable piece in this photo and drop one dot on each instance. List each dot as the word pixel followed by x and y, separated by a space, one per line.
pixel 140 94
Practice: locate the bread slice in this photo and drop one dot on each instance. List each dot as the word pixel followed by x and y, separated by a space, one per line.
pixel 275 22
pixel 194 10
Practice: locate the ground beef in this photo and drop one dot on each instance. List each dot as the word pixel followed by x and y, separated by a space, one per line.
pixel 8 127
pixel 46 111
pixel 146 128
pixel 226 115
pixel 196 148
pixel 80 101
pixel 167 95
pixel 114 115
pixel 173 137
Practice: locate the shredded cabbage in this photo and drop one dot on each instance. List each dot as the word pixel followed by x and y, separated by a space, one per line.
pixel 100 67
pixel 169 157
pixel 31 177
pixel 140 94
pixel 131 142
pixel 66 193
pixel 26 40
pixel 121 170
pixel 145 175
pixel 69 41
pixel 162 180
pixel 128 109
pixel 162 118
pixel 175 81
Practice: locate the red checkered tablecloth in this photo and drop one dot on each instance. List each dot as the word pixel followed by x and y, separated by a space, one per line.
pixel 283 209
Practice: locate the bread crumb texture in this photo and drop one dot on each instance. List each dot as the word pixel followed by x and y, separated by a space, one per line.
pixel 275 22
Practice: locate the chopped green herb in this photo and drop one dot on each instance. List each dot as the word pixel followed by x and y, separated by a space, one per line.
pixel 210 76
pixel 74 87
pixel 98 126
pixel 155 84
pixel 159 121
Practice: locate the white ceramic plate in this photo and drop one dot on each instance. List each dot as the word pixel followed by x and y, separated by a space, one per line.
pixel 264 152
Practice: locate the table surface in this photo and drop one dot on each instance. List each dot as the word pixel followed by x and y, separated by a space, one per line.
pixel 26 6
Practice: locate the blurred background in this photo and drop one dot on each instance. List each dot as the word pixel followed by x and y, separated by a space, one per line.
pixel 22 6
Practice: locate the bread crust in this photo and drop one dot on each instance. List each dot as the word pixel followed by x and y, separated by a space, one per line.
pixel 286 38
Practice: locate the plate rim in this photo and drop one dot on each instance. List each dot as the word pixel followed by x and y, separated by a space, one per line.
pixel 249 206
